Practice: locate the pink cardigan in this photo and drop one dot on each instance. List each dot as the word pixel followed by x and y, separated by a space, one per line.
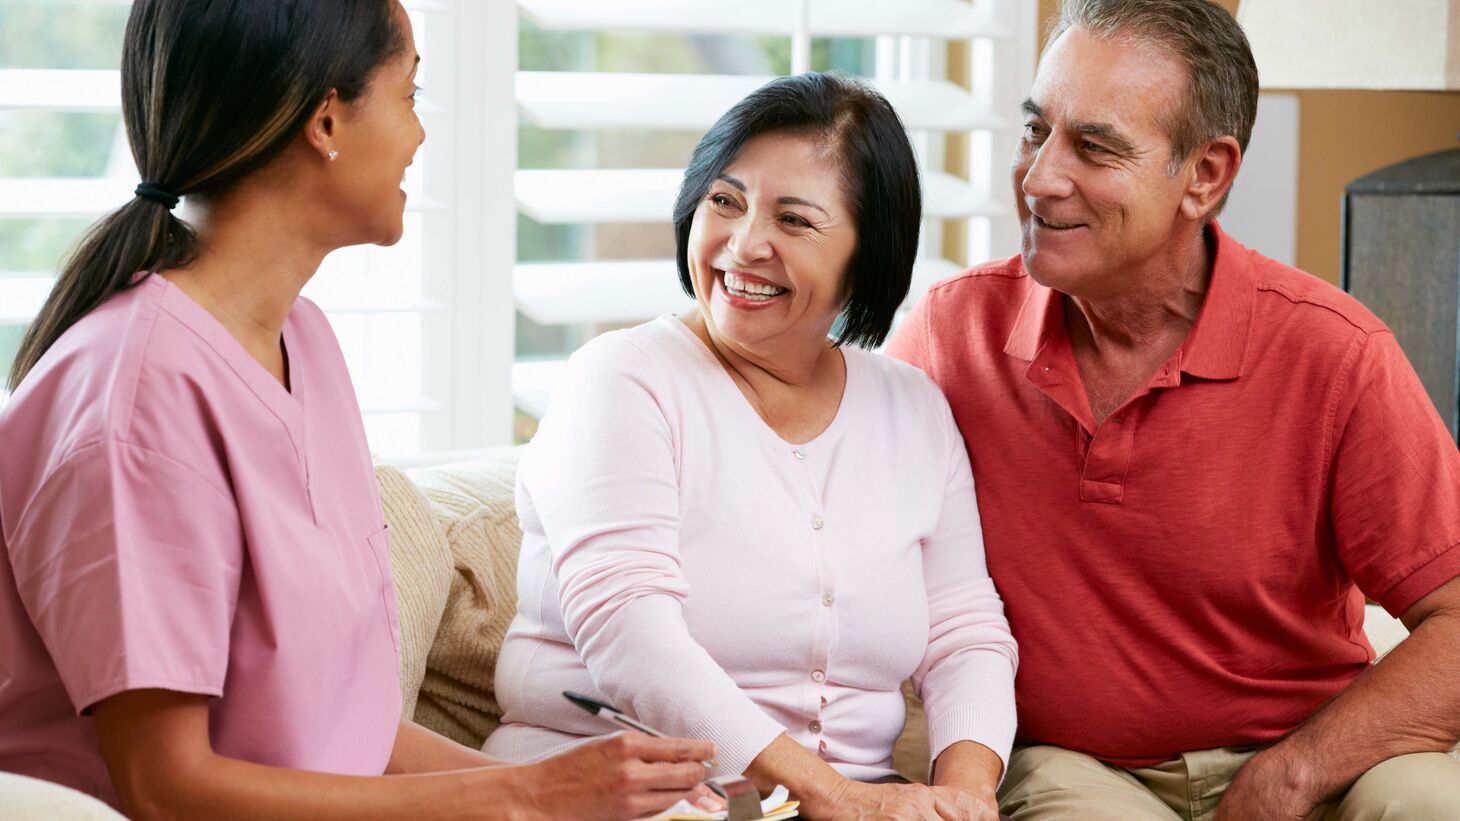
pixel 687 565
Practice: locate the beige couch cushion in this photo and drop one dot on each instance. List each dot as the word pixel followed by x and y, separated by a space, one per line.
pixel 474 504
pixel 421 568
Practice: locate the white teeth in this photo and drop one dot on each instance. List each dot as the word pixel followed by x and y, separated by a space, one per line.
pixel 741 287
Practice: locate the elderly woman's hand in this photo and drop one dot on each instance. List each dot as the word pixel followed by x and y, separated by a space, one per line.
pixel 856 801
pixel 960 804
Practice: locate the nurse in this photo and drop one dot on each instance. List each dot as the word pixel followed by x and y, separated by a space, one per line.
pixel 196 611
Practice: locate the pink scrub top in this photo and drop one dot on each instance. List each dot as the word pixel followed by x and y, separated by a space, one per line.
pixel 172 517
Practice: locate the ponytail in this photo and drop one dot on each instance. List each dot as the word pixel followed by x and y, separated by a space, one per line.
pixel 142 235
pixel 212 90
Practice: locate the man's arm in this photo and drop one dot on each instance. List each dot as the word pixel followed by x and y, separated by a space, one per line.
pixel 1407 703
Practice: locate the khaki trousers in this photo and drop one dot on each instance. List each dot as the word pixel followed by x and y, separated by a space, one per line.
pixel 1048 783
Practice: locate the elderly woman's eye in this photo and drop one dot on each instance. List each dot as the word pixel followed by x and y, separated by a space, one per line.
pixel 721 200
pixel 792 219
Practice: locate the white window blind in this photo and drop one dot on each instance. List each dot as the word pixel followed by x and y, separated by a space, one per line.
pixel 539 205
pixel 596 245
pixel 392 308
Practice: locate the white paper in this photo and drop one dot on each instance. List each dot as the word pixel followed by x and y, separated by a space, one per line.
pixel 778 796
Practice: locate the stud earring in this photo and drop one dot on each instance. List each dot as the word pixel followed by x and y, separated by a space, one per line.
pixel 333 155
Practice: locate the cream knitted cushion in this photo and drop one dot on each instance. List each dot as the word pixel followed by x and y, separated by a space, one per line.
pixel 421 568
pixel 474 503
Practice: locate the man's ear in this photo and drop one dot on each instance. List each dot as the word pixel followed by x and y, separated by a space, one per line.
pixel 319 131
pixel 1212 175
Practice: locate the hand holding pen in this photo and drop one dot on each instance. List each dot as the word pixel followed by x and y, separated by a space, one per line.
pixel 609 713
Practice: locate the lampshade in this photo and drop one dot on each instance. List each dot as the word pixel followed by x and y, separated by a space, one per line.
pixel 1411 45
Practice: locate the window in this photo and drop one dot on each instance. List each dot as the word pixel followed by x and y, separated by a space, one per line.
pixel 539 208
pixel 64 161
pixel 612 98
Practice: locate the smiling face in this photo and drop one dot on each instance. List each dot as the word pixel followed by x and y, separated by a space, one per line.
pixel 376 136
pixel 770 243
pixel 1097 205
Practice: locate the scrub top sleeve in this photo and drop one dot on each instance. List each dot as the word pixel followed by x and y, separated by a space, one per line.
pixel 128 563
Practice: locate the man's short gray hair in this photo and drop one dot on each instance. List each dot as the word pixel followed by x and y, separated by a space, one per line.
pixel 1221 96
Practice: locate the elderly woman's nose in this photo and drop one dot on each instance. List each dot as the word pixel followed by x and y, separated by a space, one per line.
pixel 751 240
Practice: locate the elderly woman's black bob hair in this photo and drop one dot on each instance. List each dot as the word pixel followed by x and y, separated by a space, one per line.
pixel 879 177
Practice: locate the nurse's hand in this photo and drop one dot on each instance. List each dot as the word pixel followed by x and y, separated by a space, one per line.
pixel 627 775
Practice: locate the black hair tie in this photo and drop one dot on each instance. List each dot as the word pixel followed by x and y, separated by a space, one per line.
pixel 157 194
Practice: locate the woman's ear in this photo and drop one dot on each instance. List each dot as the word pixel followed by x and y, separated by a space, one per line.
pixel 319 132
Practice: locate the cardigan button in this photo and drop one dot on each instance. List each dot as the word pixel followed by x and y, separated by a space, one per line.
pixel 814 727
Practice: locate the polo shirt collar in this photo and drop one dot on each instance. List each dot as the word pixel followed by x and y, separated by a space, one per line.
pixel 1216 348
pixel 1041 320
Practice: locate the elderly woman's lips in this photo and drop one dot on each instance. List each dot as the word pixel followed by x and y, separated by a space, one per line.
pixel 748 285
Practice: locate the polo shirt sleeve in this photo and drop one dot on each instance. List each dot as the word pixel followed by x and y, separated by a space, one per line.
pixel 128 564
pixel 602 474
pixel 1395 474
pixel 966 678
pixel 909 340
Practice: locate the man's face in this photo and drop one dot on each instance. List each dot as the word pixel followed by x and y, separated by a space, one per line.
pixel 1097 205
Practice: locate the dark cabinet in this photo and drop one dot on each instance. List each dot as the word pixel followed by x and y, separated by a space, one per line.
pixel 1401 258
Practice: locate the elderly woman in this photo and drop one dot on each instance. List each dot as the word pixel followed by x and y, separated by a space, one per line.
pixel 739 530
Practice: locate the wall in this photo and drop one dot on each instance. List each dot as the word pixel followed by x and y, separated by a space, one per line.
pixel 1343 135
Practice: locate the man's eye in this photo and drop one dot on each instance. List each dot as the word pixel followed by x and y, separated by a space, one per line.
pixel 1092 148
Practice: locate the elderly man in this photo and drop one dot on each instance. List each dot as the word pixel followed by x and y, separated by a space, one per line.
pixel 1190 461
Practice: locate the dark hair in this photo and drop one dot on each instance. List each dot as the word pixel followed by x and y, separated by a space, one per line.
pixel 212 90
pixel 879 176
pixel 1221 95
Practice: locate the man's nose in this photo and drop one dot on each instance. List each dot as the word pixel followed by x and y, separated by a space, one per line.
pixel 1047 171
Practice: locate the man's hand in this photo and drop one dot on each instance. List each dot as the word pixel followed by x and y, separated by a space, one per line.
pixel 1273 785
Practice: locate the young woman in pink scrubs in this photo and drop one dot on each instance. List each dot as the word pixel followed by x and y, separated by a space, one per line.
pixel 196 611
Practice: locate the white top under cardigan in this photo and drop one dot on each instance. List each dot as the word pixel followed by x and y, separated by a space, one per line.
pixel 684 563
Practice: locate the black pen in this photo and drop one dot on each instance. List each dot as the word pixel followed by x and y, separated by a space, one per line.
pixel 611 713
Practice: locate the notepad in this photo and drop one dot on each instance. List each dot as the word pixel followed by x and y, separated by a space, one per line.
pixel 777 806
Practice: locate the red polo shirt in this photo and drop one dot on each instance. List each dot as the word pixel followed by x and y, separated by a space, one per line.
pixel 1183 576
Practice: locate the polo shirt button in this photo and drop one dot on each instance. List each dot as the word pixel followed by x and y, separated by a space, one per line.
pixel 814 727
pixel 816 522
pixel 818 676
pixel 827 600
pixel 799 454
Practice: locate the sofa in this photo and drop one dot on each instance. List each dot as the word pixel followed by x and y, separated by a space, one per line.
pixel 454 542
